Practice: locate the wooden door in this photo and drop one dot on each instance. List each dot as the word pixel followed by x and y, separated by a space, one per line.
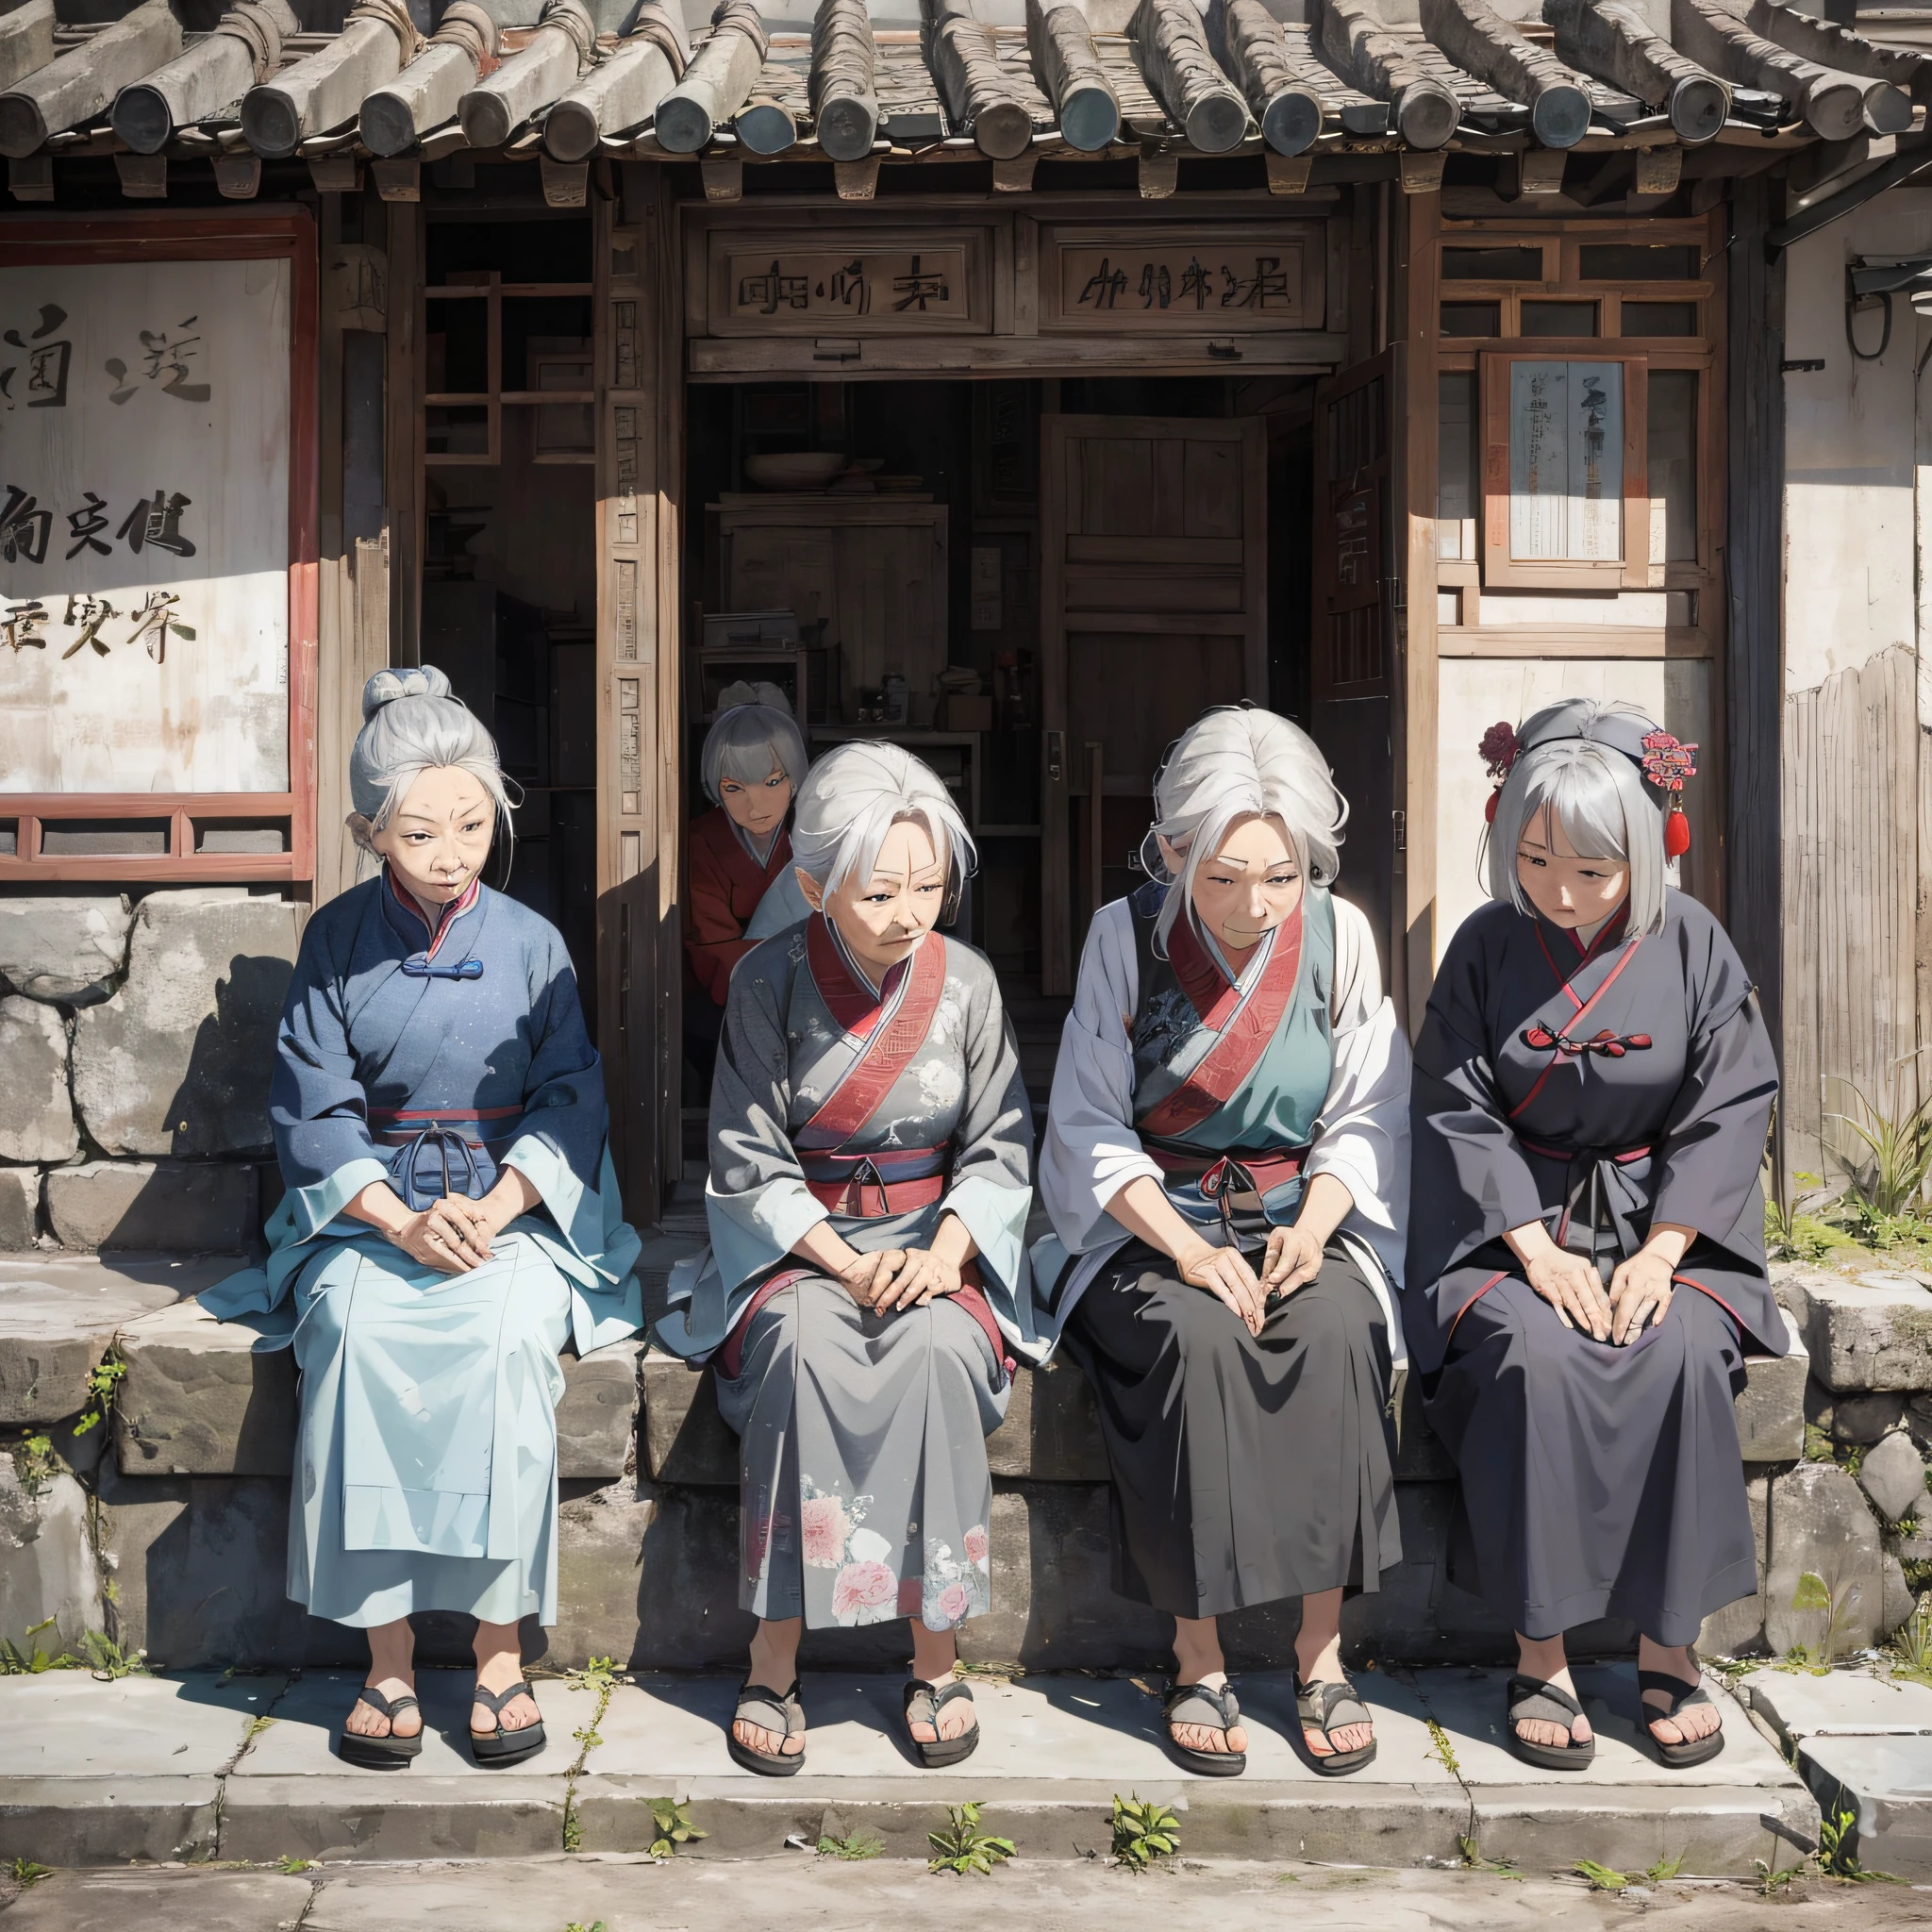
pixel 1154 606
pixel 1353 633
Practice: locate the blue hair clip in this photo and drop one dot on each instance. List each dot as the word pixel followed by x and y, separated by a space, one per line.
pixel 420 966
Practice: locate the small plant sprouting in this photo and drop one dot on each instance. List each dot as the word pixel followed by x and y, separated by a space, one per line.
pixel 578 1926
pixel 598 1675
pixel 1664 1870
pixel 100 1385
pixel 1913 1641
pixel 963 1847
pixel 1839 1606
pixel 107 1660
pixel 291 1867
pixel 854 1846
pixel 674 1828
pixel 26 1875
pixel 26 1658
pixel 1771 1881
pixel 1837 1836
pixel 1143 1830
pixel 1600 1877
pixel 33 1464
pixel 1474 1860
pixel 1441 1750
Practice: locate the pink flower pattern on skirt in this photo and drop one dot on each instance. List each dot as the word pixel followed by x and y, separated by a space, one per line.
pixel 953 1603
pixel 975 1544
pixel 862 1586
pixel 826 1530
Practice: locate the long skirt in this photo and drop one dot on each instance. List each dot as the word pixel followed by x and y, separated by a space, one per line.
pixel 425 1458
pixel 864 1491
pixel 1246 1468
pixel 1596 1481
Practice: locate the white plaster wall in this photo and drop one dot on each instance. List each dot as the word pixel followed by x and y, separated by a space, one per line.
pixel 1853 450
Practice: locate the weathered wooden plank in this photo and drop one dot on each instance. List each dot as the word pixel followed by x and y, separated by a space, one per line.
pixel 1186 78
pixel 1072 74
pixel 26 41
pixel 1382 62
pixel 1482 41
pixel 1287 104
pixel 975 86
pixel 1834 105
pixel 429 91
pixel 326 90
pixel 1840 47
pixel 1615 42
pixel 615 98
pixel 844 85
pixel 245 47
pixel 74 89
pixel 717 81
pixel 557 52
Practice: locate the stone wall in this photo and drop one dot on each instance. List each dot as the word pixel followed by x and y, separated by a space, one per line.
pixel 134 1046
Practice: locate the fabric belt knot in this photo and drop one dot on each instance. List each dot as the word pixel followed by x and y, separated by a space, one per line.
pixel 1611 1045
pixel 870 1187
pixel 1591 1202
pixel 420 966
pixel 438 1142
pixel 1237 1170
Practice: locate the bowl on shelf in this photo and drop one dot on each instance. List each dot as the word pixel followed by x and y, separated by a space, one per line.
pixel 807 469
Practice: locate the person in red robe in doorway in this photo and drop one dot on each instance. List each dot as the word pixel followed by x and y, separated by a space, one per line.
pixel 754 762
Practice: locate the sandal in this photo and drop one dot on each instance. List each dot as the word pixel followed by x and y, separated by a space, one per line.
pixel 1682 1695
pixel 946 1750
pixel 388 1751
pixel 1214 1711
pixel 1558 1706
pixel 770 1710
pixel 500 1747
pixel 1326 1708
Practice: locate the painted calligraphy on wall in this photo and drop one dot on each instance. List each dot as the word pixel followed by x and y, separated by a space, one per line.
pixel 145 526
pixel 1566 461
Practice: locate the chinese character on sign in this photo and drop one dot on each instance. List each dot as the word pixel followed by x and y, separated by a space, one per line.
pixel 915 289
pixel 45 383
pixel 156 520
pixel 1104 287
pixel 1269 284
pixel 84 526
pixel 166 355
pixel 23 529
pixel 1194 282
pixel 849 287
pixel 153 621
pixel 89 612
pixel 1157 285
pixel 771 291
pixel 19 626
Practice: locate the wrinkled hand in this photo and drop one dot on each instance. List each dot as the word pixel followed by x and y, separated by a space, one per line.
pixel 866 1276
pixel 1293 1259
pixel 1641 1291
pixel 1571 1285
pixel 1225 1275
pixel 921 1275
pixel 452 1235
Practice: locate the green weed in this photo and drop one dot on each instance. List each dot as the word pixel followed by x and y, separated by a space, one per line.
pixel 17 1662
pixel 1838 1606
pixel 1143 1830
pixel 1473 1860
pixel 578 1926
pixel 600 1675
pixel 1837 1836
pixel 33 1464
pixel 101 1385
pixel 1772 1880
pixel 853 1847
pixel 1665 1869
pixel 1600 1877
pixel 107 1660
pixel 26 1875
pixel 1441 1750
pixel 963 1847
pixel 291 1867
pixel 674 1828
pixel 1911 1643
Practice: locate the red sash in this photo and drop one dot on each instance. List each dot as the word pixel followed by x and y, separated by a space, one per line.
pixel 1245 1026
pixel 888 1048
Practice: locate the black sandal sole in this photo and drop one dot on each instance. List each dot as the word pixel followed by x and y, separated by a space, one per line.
pixel 947 1751
pixel 523 1743
pixel 766 1764
pixel 1553 1757
pixel 379 1754
pixel 1682 1757
pixel 1338 1763
pixel 1208 1763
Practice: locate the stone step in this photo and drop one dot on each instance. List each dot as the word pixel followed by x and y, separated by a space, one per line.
pixel 204 1768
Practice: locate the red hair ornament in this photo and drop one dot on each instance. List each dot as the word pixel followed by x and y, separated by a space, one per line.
pixel 1498 752
pixel 1666 763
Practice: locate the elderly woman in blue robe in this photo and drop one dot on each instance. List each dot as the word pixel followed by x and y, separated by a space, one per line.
pixel 870 1179
pixel 451 1221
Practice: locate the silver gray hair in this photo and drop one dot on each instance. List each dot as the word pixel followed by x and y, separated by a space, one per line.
pixel 854 794
pixel 755 734
pixel 411 725
pixel 1597 794
pixel 1237 762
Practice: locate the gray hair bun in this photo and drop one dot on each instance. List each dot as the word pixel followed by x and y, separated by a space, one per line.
pixel 408 681
pixel 768 696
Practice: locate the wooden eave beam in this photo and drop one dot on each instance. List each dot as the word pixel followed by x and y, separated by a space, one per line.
pixel 1186 78
pixel 1383 63
pixel 245 47
pixel 326 90
pixel 717 83
pixel 1615 43
pixel 1833 103
pixel 843 86
pixel 75 87
pixel 1482 41
pixel 1286 103
pixel 560 49
pixel 1071 75
pixel 26 41
pixel 623 94
pixel 975 88
pixel 429 91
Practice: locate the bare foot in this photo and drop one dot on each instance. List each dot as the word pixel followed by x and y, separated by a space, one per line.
pixel 773 1668
pixel 1197 1657
pixel 1317 1658
pixel 500 1664
pixel 392 1672
pixel 1700 1720
pixel 1543 1658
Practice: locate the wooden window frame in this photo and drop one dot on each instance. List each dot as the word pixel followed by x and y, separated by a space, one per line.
pixel 267 234
pixel 488 286
pixel 1634 571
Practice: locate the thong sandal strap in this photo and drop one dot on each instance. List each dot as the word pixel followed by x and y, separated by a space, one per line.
pixel 384 1707
pixel 778 1711
pixel 495 1700
pixel 916 1689
pixel 1559 1707
pixel 1680 1693
pixel 1323 1705
pixel 1203 1705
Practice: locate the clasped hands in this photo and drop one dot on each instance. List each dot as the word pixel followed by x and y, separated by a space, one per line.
pixel 1641 1288
pixel 452 1235
pixel 1293 1258
pixel 888 1280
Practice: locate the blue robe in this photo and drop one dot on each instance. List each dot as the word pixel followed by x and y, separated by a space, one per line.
pixel 425 1468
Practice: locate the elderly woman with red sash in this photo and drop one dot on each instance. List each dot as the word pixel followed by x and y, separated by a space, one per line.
pixel 870 1180
pixel 1227 1168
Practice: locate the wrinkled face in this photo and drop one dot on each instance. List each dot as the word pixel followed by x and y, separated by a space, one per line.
pixel 438 836
pixel 759 809
pixel 1248 885
pixel 1568 889
pixel 881 919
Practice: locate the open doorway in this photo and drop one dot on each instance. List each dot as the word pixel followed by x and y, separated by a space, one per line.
pixel 509 552
pixel 897 568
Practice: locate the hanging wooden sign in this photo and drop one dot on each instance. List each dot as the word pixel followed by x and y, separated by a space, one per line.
pixel 933 282
pixel 1182 279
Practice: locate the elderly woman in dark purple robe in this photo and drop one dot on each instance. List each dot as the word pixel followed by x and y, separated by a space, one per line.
pixel 1586 1255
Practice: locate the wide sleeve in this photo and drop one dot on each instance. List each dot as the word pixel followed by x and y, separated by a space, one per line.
pixel 991 1181
pixel 1470 1183
pixel 1362 1135
pixel 317 1105
pixel 1091 1151
pixel 714 941
pixel 1712 1147
pixel 757 1202
pixel 562 1147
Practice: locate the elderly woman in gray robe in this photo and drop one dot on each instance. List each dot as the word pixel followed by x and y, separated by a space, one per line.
pixel 870 1181
pixel 1226 1170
